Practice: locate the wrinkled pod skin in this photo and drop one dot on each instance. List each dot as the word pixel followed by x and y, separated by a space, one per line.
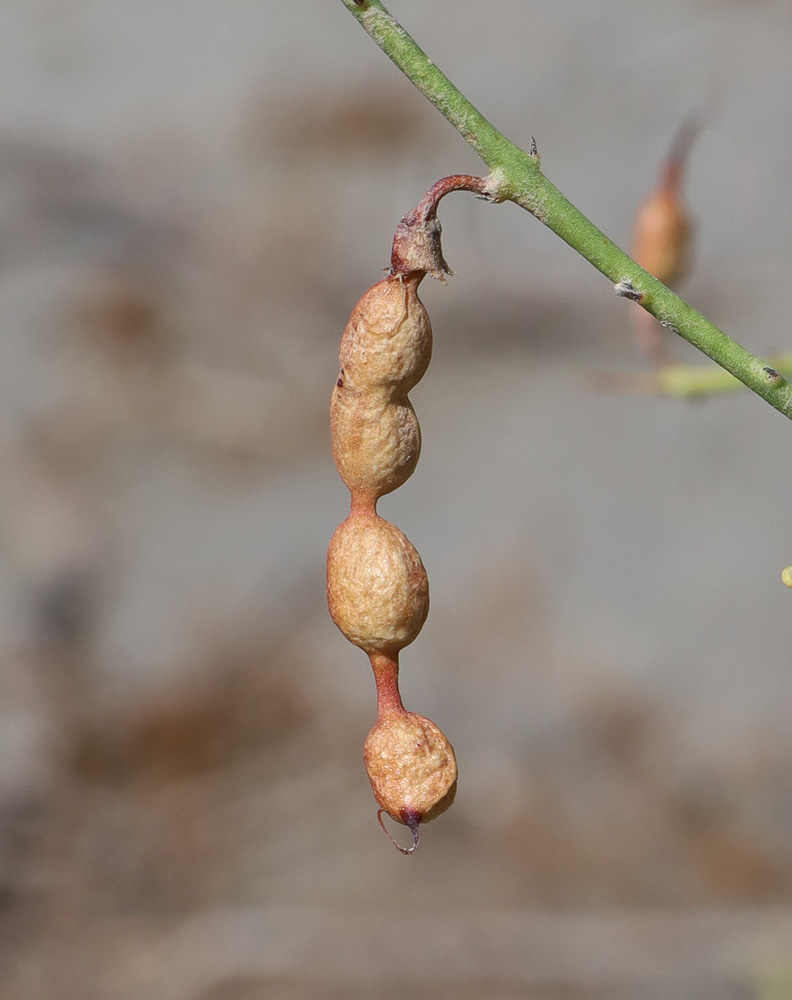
pixel 377 589
pixel 411 767
pixel 385 351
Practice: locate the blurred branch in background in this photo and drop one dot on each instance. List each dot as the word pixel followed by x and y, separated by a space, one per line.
pixel 675 381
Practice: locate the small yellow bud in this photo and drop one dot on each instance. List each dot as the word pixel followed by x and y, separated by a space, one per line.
pixel 786 576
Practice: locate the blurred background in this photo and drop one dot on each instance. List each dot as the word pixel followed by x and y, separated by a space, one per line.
pixel 192 197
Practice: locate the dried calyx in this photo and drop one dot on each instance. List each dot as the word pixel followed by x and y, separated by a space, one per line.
pixel 377 589
pixel 416 243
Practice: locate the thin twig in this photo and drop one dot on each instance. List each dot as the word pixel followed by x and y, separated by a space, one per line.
pixel 517 177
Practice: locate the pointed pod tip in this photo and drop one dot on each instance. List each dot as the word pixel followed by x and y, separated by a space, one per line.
pixel 410 820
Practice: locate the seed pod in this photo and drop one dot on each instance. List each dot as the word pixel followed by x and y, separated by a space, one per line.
pixel 377 589
pixel 376 439
pixel 388 339
pixel 412 768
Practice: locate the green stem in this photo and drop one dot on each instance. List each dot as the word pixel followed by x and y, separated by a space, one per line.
pixel 517 177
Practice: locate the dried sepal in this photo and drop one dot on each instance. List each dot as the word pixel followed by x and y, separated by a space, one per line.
pixel 377 589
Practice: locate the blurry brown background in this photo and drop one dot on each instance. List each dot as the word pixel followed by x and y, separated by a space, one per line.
pixel 192 198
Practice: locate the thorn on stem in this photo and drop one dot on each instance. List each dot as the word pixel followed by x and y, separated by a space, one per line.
pixel 627 290
pixel 533 151
pixel 772 374
pixel 412 822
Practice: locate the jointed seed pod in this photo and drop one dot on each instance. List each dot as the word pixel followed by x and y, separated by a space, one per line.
pixel 377 589
pixel 385 350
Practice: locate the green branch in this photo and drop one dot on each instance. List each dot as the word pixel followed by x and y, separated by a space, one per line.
pixel 517 177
